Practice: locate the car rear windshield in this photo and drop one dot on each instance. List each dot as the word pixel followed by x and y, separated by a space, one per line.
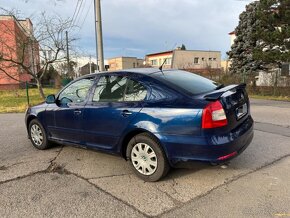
pixel 190 82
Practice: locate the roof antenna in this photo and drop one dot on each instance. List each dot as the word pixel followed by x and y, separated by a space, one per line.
pixel 161 67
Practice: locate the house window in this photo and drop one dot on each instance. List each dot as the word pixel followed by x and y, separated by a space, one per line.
pixel 168 61
pixel 134 65
pixel 154 62
pixel 210 59
pixel 196 60
pixel 202 59
pixel 214 59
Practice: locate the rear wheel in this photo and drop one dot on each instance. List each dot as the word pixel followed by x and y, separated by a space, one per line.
pixel 147 157
pixel 37 135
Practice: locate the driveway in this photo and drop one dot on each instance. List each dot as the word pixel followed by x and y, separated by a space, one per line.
pixel 67 181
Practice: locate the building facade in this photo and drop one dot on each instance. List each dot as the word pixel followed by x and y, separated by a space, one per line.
pixel 232 37
pixel 185 59
pixel 195 59
pixel 226 63
pixel 17 45
pixel 88 68
pixel 120 63
pixel 157 59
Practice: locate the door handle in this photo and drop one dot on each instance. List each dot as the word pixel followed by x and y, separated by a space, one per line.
pixel 77 112
pixel 126 113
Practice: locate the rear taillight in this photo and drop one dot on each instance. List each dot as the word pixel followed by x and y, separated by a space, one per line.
pixel 214 116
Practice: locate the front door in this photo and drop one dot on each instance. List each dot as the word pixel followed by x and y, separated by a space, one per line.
pixel 68 111
pixel 115 102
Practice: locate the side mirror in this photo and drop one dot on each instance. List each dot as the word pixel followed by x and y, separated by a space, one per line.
pixel 50 99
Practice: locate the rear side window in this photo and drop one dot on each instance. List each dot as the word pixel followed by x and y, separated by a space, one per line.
pixel 110 89
pixel 135 91
pixel 190 82
pixel 117 89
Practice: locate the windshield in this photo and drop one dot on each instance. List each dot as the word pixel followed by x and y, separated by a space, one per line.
pixel 190 82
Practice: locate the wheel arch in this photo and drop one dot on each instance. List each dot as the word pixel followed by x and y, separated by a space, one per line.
pixel 133 133
pixel 29 119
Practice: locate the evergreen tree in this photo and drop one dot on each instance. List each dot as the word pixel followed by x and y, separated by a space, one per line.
pixel 183 47
pixel 273 33
pixel 241 53
pixel 263 37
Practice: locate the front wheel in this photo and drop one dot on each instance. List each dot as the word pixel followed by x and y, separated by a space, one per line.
pixel 37 135
pixel 147 157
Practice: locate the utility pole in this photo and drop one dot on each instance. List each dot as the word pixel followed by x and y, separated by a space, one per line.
pixel 67 52
pixel 90 65
pixel 99 35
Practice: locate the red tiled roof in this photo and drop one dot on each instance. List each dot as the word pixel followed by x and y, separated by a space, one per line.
pixel 160 53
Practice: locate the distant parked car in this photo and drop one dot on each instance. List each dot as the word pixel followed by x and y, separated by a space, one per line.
pixel 152 118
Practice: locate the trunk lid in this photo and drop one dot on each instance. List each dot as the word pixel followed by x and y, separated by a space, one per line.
pixel 235 101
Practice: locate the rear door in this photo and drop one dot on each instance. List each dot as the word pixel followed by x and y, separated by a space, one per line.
pixel 116 100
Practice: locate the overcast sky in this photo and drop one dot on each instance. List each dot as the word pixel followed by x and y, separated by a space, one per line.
pixel 138 27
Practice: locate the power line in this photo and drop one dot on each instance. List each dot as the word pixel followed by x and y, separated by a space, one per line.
pixel 77 14
pixel 74 14
pixel 81 12
pixel 90 6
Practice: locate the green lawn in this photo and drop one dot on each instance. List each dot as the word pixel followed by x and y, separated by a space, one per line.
pixel 275 98
pixel 15 101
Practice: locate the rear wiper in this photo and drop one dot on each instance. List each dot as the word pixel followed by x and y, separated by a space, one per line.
pixel 219 86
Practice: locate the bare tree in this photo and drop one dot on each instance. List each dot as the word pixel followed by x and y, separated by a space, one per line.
pixel 35 50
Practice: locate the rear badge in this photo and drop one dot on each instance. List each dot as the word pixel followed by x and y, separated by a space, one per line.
pixel 242 111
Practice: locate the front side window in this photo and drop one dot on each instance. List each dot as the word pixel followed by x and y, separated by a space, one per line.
pixel 117 89
pixel 76 92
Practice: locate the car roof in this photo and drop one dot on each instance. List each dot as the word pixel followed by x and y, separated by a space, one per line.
pixel 142 71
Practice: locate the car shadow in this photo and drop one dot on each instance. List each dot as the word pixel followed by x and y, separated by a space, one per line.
pixel 185 169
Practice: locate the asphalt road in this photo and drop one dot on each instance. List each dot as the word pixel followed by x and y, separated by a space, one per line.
pixel 70 182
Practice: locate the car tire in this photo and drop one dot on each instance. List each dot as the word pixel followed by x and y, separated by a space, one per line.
pixel 38 135
pixel 147 157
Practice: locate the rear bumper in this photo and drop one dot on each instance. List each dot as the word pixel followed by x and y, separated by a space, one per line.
pixel 211 148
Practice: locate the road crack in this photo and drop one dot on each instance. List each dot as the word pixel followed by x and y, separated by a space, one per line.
pixel 61 170
pixel 52 164
pixel 175 201
pixel 225 183
pixel 5 167
pixel 110 176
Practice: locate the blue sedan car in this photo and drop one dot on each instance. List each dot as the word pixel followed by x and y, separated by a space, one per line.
pixel 154 119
